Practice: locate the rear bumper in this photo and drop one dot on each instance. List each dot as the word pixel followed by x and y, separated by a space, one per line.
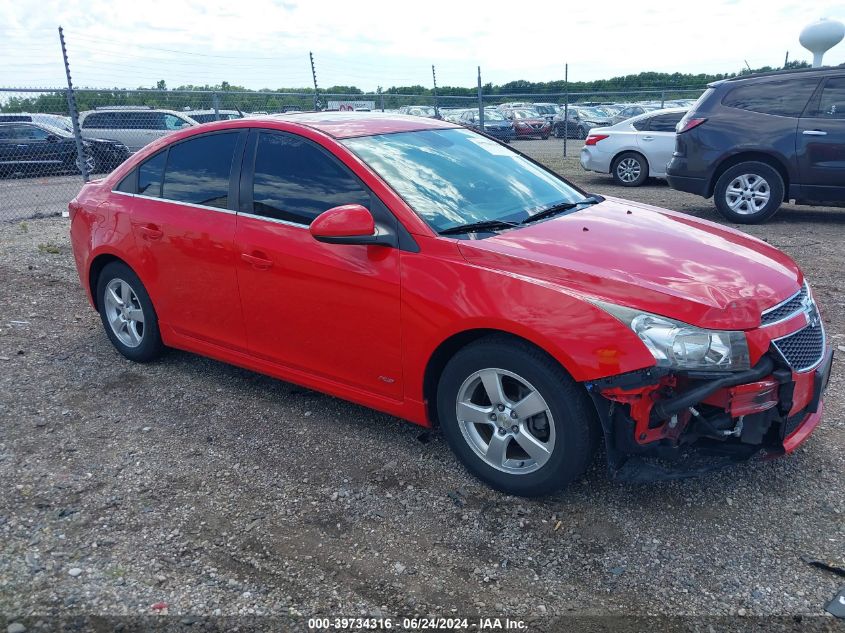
pixel 697 186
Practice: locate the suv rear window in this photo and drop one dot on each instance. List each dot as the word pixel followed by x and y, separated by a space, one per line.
pixel 781 97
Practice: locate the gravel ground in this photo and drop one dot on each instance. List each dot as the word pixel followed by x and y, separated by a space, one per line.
pixel 191 487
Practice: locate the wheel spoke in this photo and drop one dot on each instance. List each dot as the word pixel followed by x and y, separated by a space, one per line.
pixel 492 381
pixel 473 413
pixel 536 449
pixel 117 300
pixel 132 333
pixel 530 405
pixel 135 314
pixel 497 449
pixel 126 293
pixel 116 322
pixel 736 203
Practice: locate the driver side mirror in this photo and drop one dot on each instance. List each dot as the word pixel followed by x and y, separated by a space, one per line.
pixel 351 224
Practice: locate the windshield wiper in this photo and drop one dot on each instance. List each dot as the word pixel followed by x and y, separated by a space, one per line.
pixel 474 227
pixel 558 208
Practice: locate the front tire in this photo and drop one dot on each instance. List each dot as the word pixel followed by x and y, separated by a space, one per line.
pixel 749 193
pixel 629 169
pixel 127 313
pixel 515 418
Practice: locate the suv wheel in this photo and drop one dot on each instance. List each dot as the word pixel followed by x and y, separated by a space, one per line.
pixel 629 169
pixel 127 313
pixel 749 193
pixel 515 418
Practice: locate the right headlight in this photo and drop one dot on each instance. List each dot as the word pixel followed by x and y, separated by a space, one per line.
pixel 682 346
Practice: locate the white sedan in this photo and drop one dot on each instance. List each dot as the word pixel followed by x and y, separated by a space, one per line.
pixel 634 149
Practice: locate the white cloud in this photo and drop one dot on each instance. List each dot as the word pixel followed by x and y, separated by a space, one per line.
pixel 260 43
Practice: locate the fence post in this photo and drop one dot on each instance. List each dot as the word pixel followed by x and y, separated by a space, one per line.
pixel 74 115
pixel 382 102
pixel 434 82
pixel 565 108
pixel 480 102
pixel 316 90
pixel 662 99
pixel 215 103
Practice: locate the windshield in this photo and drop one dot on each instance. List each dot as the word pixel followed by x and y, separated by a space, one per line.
pixel 455 177
pixel 525 114
pixel 493 116
pixel 545 109
pixel 592 113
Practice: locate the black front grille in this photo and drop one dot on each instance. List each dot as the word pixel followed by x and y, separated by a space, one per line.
pixel 803 349
pixel 785 309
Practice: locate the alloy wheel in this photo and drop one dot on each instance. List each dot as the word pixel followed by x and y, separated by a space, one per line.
pixel 628 169
pixel 124 313
pixel 505 421
pixel 748 194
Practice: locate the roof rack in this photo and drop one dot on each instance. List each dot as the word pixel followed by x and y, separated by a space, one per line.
pixel 785 71
pixel 124 107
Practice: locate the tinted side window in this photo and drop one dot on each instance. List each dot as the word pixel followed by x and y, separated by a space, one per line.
pixel 782 97
pixel 832 104
pixel 664 122
pixel 97 120
pixel 296 181
pixel 641 125
pixel 198 170
pixel 150 175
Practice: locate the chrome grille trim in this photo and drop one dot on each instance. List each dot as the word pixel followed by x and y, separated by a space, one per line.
pixel 785 309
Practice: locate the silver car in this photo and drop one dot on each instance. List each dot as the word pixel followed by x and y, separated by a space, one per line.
pixel 634 149
pixel 132 126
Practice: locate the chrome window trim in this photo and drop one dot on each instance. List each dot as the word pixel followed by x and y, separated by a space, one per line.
pixel 274 220
pixel 804 287
pixel 177 202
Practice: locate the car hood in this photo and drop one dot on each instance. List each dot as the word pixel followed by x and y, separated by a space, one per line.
pixel 537 120
pixel 650 259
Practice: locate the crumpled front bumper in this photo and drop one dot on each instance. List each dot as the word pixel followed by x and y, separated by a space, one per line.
pixel 764 418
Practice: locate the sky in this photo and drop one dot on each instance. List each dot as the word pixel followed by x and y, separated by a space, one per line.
pixel 369 43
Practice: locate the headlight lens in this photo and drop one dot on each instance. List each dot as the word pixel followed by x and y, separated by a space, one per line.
pixel 682 346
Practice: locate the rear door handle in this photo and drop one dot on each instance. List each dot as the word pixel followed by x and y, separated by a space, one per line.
pixel 151 231
pixel 647 138
pixel 257 261
pixel 814 133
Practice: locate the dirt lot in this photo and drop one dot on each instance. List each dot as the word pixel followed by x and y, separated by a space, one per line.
pixel 221 492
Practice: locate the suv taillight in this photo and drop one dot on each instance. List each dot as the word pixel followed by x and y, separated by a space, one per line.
pixel 687 124
pixel 592 139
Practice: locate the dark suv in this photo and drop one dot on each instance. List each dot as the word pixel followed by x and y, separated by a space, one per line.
pixel 754 142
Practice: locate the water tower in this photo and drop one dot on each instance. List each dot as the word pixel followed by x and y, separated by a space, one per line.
pixel 821 36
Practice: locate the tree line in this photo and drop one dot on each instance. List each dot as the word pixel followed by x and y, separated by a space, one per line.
pixel 234 97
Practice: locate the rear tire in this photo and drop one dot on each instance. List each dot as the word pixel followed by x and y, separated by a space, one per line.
pixel 541 410
pixel 580 133
pixel 127 313
pixel 629 169
pixel 749 193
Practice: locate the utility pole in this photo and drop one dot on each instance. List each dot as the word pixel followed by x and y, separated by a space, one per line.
pixel 434 80
pixel 480 102
pixel 565 107
pixel 786 59
pixel 74 114
pixel 317 104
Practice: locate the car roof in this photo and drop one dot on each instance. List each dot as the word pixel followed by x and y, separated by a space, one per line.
pixel 651 113
pixel 778 73
pixel 352 124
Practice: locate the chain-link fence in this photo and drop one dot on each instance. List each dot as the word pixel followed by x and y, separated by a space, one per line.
pixel 42 166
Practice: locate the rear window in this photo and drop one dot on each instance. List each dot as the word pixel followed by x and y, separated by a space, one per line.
pixel 198 170
pixel 780 97
pixel 831 105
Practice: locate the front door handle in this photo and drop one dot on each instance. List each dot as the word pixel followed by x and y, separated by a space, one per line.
pixel 151 231
pixel 814 133
pixel 257 261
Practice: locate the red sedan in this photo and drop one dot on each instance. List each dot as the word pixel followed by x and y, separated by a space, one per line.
pixel 427 271
pixel 528 124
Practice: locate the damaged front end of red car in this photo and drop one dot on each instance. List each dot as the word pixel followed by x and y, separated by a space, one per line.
pixel 665 423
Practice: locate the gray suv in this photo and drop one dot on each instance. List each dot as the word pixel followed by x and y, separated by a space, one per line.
pixel 756 141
